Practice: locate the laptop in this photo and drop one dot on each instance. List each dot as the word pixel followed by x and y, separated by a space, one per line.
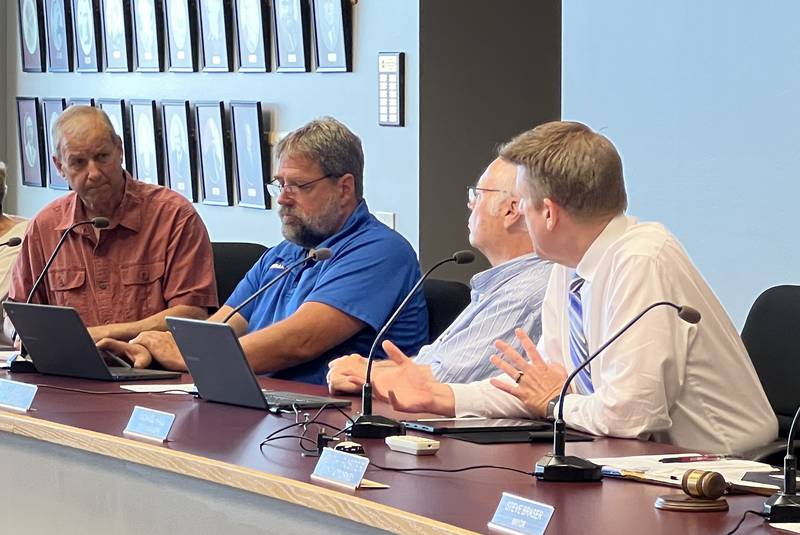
pixel 59 344
pixel 222 373
pixel 448 426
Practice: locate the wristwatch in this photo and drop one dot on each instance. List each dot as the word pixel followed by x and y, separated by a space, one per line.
pixel 551 408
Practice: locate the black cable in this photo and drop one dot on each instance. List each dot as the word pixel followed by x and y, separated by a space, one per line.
pixel 741 520
pixel 115 392
pixel 452 470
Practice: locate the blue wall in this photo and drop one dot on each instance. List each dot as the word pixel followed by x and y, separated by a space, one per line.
pixel 703 101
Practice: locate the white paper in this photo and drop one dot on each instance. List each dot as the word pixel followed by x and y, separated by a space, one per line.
pixel 166 389
pixel 731 469
pixel 792 527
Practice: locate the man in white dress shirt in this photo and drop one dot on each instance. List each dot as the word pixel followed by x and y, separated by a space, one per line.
pixel 667 380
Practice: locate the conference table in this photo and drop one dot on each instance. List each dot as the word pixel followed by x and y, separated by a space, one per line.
pixel 68 468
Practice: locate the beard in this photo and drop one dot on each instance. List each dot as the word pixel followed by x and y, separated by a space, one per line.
pixel 309 230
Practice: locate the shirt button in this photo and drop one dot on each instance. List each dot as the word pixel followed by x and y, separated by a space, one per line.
pixel 106 322
pixel 103 285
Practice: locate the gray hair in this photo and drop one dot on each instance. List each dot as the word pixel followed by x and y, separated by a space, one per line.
pixel 65 124
pixel 573 166
pixel 331 145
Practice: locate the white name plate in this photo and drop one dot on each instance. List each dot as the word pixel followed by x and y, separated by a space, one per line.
pixel 149 424
pixel 15 395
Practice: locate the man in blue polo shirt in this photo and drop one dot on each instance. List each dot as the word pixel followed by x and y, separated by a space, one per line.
pixel 325 309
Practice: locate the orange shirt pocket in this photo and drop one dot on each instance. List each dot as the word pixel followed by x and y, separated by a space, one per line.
pixel 68 287
pixel 142 291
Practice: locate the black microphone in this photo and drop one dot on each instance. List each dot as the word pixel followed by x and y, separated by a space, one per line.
pixel 557 466
pixel 12 242
pixel 21 364
pixel 784 506
pixel 317 255
pixel 373 426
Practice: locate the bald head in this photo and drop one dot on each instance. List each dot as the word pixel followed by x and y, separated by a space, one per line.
pixel 78 121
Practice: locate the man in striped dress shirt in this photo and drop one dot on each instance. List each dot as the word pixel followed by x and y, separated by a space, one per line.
pixel 507 295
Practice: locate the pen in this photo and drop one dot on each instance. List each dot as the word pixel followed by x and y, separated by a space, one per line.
pixel 694 459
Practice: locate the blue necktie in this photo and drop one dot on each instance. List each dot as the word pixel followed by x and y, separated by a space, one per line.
pixel 578 350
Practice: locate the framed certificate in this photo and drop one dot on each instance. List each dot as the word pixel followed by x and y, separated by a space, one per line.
pixel 214 38
pixel 31 35
pixel 118 115
pixel 59 35
pixel 332 33
pixel 52 108
pixel 30 141
pixel 252 50
pixel 147 30
pixel 116 44
pixel 214 159
pixel 145 141
pixel 291 36
pixel 250 154
pixel 180 29
pixel 85 31
pixel 181 163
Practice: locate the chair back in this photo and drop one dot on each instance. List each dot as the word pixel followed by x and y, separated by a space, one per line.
pixel 771 335
pixel 445 300
pixel 231 261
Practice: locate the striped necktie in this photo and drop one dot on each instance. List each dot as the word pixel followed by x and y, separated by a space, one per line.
pixel 578 350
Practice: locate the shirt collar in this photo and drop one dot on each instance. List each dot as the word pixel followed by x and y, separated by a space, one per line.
pixel 496 276
pixel 358 218
pixel 591 258
pixel 128 213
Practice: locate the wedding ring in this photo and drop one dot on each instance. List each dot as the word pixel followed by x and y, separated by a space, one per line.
pixel 519 377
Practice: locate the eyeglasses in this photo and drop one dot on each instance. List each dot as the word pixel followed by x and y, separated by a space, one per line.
pixel 275 187
pixel 474 193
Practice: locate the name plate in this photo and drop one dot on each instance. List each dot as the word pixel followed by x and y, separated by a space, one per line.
pixel 149 424
pixel 15 395
pixel 340 468
pixel 521 516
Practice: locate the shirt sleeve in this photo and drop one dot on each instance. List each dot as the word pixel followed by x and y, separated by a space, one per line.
pixel 641 374
pixel 368 281
pixel 482 399
pixel 189 277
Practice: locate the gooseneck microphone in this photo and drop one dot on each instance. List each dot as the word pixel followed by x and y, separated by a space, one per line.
pixel 12 242
pixel 557 466
pixel 96 222
pixel 373 426
pixel 21 364
pixel 784 506
pixel 316 255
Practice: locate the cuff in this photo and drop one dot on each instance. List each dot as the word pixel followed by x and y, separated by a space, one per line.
pixel 469 399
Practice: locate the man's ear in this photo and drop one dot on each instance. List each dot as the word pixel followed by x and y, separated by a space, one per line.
pixel 552 213
pixel 57 163
pixel 512 212
pixel 347 183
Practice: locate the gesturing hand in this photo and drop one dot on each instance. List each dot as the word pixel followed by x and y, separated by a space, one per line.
pixel 537 381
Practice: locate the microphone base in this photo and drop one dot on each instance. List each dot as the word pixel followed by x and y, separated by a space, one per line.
pixel 553 467
pixel 21 364
pixel 375 426
pixel 782 508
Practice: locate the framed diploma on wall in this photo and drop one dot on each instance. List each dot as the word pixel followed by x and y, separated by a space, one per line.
pixel 31 35
pixel 51 110
pixel 145 141
pixel 86 36
pixel 59 35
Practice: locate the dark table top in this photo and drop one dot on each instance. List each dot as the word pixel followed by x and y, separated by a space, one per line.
pixel 467 499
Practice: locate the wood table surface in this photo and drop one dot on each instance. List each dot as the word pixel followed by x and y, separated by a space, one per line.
pixel 220 443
